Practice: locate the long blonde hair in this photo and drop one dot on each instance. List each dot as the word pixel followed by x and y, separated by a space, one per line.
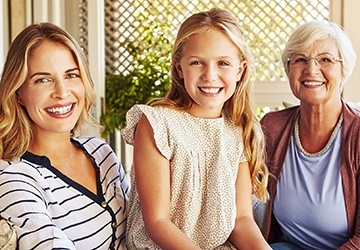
pixel 240 106
pixel 15 124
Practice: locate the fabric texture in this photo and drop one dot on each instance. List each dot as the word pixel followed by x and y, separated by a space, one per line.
pixel 278 127
pixel 8 237
pixel 50 211
pixel 204 157
pixel 304 220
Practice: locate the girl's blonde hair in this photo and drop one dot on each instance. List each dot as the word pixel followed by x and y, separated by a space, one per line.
pixel 15 124
pixel 240 106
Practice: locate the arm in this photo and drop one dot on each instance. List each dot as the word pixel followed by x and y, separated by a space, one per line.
pixel 152 174
pixel 246 234
pixel 22 203
pixel 354 241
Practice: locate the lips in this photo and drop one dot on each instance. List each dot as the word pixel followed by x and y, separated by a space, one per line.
pixel 210 90
pixel 59 110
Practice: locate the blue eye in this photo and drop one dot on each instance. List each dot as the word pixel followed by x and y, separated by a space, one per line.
pixel 42 80
pixel 224 64
pixel 72 75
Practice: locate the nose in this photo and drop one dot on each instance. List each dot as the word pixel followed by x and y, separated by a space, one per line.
pixel 312 65
pixel 210 74
pixel 315 60
pixel 61 90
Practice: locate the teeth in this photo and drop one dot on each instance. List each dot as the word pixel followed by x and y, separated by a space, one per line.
pixel 313 83
pixel 59 110
pixel 210 90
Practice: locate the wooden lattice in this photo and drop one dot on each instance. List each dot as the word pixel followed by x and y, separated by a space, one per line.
pixel 83 25
pixel 266 23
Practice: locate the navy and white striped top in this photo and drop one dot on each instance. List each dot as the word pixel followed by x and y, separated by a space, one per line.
pixel 50 211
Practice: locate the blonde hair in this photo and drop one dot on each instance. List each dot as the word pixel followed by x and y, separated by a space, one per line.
pixel 240 106
pixel 15 124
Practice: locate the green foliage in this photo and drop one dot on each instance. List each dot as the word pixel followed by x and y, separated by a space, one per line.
pixel 149 77
pixel 261 111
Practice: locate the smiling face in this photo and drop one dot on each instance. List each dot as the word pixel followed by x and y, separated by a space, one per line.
pixel 53 93
pixel 210 67
pixel 311 82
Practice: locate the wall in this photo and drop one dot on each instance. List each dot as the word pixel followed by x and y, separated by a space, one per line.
pixel 350 21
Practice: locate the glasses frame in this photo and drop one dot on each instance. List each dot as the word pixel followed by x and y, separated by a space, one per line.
pixel 336 59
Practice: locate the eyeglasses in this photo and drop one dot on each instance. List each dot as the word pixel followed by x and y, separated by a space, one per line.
pixel 322 61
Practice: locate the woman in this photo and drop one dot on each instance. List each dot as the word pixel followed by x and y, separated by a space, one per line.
pixel 198 152
pixel 313 149
pixel 59 191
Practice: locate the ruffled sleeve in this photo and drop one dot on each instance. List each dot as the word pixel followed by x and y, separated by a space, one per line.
pixel 158 122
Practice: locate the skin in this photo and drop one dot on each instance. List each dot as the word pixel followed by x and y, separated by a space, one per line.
pixel 320 103
pixel 54 96
pixel 209 64
pixel 210 71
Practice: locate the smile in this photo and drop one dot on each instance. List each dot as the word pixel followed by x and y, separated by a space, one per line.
pixel 59 110
pixel 312 83
pixel 212 90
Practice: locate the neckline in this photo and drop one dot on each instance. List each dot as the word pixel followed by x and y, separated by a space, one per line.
pixel 328 144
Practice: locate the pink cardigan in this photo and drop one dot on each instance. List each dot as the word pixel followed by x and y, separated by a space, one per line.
pixel 278 127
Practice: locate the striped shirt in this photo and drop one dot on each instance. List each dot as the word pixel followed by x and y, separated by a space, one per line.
pixel 50 211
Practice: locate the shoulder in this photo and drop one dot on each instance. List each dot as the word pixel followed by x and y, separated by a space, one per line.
pixel 89 141
pixel 22 171
pixel 350 113
pixel 158 118
pixel 92 144
pixel 351 125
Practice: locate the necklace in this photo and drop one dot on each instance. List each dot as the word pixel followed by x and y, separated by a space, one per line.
pixel 328 144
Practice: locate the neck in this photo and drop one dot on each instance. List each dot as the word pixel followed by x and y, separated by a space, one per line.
pixel 316 127
pixel 51 146
pixel 319 118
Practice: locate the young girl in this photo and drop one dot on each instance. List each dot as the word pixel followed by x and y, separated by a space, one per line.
pixel 198 153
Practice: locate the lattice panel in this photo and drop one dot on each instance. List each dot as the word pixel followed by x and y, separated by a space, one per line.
pixel 83 25
pixel 266 23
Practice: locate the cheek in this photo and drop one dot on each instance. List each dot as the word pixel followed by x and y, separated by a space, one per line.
pixel 79 91
pixel 31 99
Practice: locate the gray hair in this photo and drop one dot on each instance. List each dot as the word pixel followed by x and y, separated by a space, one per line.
pixel 308 33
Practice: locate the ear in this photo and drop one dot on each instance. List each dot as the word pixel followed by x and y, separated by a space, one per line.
pixel 179 70
pixel 242 67
pixel 18 98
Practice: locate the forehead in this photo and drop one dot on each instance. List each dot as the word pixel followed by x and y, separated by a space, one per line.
pixel 48 54
pixel 320 47
pixel 210 42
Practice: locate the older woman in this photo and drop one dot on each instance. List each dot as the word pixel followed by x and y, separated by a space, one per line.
pixel 313 149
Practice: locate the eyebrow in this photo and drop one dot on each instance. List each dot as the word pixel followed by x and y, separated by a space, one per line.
pixel 227 57
pixel 47 74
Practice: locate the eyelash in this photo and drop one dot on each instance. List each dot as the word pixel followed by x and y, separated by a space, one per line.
pixel 201 63
pixel 68 76
pixel 42 80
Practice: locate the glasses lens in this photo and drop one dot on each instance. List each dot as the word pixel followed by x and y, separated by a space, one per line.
pixel 321 60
